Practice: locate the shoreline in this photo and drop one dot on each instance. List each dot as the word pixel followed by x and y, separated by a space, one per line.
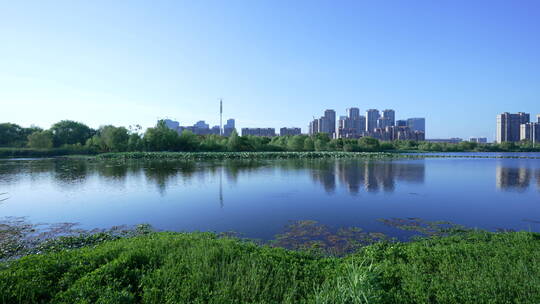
pixel 201 156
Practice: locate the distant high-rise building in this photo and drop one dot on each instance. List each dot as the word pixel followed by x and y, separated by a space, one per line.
pixel 266 132
pixel 390 116
pixel 314 127
pixel 417 124
pixel 384 122
pixel 289 131
pixel 229 127
pixel 372 116
pixel 401 123
pixel 509 126
pixel 538 118
pixel 353 113
pixel 530 131
pixel 322 123
pixel 330 122
pixel 362 124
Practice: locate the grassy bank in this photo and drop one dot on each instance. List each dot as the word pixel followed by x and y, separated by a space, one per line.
pixel 476 267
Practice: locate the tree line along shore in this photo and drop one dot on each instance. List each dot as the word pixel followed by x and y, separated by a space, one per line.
pixel 70 137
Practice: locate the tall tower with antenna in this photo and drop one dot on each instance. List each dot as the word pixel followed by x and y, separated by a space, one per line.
pixel 221 116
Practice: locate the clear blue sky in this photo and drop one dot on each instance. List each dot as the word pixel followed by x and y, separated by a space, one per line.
pixel 275 63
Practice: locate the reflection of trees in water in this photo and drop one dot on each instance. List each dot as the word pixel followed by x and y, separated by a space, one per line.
pixel 373 176
pixel 163 172
pixel 70 172
pixel 11 171
pixel 233 168
pixel 516 178
pixel 354 174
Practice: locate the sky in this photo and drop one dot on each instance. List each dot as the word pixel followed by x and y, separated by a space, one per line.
pixel 275 63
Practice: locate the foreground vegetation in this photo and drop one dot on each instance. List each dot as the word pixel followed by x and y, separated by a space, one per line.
pixel 472 267
pixel 69 137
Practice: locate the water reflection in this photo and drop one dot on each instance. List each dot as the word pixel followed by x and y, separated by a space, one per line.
pixel 353 175
pixel 516 178
pixel 369 175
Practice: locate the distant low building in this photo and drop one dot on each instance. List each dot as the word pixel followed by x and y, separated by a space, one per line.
pixel 171 124
pixel 478 140
pixel 454 140
pixel 200 128
pixel 266 132
pixel 289 131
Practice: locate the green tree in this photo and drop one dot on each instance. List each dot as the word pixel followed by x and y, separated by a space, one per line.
pixel 40 140
pixel 135 142
pixel 368 144
pixel 161 138
pixel 234 143
pixel 188 141
pixel 13 135
pixel 296 143
pixel 68 132
pixel 114 139
pixel 309 145
pixel 212 143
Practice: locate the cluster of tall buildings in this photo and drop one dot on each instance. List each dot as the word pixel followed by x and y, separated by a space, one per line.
pixel 517 127
pixel 202 128
pixel 383 126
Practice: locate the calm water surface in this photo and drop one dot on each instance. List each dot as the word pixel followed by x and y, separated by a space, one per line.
pixel 259 198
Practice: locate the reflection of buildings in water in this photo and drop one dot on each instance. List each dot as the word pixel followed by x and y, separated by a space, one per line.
pixel 374 176
pixel 325 177
pixel 512 178
pixel 537 175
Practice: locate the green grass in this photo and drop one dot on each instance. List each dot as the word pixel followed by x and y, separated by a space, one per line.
pixel 476 267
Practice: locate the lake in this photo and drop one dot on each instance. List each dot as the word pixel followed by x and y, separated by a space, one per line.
pixel 259 198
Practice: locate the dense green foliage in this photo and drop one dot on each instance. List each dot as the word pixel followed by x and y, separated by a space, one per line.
pixel 71 134
pixel 474 267
pixel 40 140
pixel 13 135
pixel 68 132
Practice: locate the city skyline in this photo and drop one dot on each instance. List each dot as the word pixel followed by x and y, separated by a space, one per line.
pixel 273 63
